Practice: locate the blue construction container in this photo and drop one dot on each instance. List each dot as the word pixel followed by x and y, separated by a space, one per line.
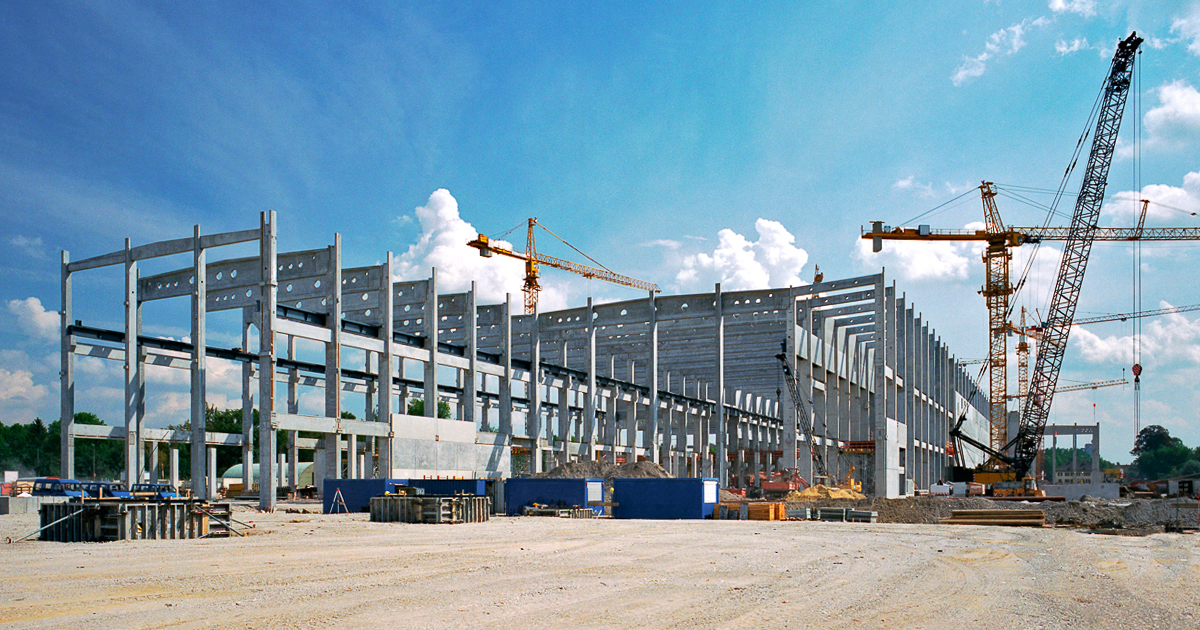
pixel 524 491
pixel 357 493
pixel 688 497
pixel 450 487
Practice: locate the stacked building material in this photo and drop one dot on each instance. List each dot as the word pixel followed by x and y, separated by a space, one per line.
pixel 124 520
pixel 426 509
pixel 861 516
pixel 767 512
pixel 831 514
pixel 1016 518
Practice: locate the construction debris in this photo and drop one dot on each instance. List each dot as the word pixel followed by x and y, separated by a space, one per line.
pixel 605 470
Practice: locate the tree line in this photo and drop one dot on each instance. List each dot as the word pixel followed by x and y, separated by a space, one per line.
pixel 34 449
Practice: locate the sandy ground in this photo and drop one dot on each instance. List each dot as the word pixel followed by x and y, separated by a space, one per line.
pixel 322 571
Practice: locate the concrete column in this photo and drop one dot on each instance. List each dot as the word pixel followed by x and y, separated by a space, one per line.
pixel 154 467
pixel 352 471
pixel 471 380
pixel 66 376
pixel 387 368
pixel 174 466
pixel 333 360
pixel 432 317
pixel 589 405
pixel 267 361
pixel 248 318
pixel 534 425
pixel 212 471
pixel 132 443
pixel 721 471
pixel 505 418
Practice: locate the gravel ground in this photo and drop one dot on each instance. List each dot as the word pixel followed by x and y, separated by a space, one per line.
pixel 318 571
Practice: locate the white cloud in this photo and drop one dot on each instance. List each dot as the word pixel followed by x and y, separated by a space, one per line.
pixel 32 247
pixel 665 243
pixel 443 244
pixel 35 320
pixel 18 384
pixel 910 183
pixel 1166 201
pixel 1086 8
pixel 1063 47
pixel 1175 123
pixel 971 67
pixel 919 260
pixel 1164 338
pixel 740 264
pixel 1006 41
pixel 1189 27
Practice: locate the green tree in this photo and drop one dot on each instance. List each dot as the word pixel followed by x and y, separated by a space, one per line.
pixel 416 407
pixel 1151 438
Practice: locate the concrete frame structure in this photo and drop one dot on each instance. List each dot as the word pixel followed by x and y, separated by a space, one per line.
pixel 688 381
pixel 1075 430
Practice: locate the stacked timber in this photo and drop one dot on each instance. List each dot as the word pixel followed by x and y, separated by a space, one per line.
pixel 1013 518
pixel 767 512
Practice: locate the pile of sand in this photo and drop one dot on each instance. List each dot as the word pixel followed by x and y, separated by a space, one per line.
pixel 606 470
pixel 821 491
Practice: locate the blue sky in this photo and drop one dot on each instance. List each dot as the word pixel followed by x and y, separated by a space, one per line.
pixel 681 143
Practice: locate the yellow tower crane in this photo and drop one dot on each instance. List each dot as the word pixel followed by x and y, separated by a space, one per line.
pixel 532 259
pixel 997 289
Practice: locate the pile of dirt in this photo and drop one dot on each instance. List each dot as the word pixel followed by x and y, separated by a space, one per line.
pixel 821 491
pixel 727 496
pixel 606 470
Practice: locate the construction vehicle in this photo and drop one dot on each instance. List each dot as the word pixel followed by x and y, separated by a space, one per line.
pixel 1009 466
pixel 532 259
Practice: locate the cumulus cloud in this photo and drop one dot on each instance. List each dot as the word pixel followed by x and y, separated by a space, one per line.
pixel 19 385
pixel 740 264
pixel 1064 47
pixel 1164 338
pixel 443 244
pixel 918 260
pixel 1189 27
pixel 1086 8
pixel 34 320
pixel 1006 41
pixel 1175 123
pixel 1166 201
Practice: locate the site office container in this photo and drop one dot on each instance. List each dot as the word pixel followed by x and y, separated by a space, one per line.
pixel 356 493
pixel 683 498
pixel 525 491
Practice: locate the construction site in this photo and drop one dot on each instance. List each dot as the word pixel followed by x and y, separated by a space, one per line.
pixel 716 459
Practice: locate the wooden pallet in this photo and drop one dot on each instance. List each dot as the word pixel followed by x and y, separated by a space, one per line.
pixel 1011 518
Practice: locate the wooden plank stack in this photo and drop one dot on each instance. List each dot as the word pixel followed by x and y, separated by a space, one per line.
pixel 1012 518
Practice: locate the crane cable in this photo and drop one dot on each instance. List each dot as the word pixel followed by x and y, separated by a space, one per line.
pixel 1137 256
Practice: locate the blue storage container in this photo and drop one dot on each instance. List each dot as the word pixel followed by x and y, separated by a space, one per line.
pixel 688 497
pixel 519 493
pixel 451 487
pixel 357 493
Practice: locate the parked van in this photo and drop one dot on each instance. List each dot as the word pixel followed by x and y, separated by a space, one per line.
pixel 106 490
pixel 154 491
pixel 51 487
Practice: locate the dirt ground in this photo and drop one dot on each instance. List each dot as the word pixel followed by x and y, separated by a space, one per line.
pixel 320 571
